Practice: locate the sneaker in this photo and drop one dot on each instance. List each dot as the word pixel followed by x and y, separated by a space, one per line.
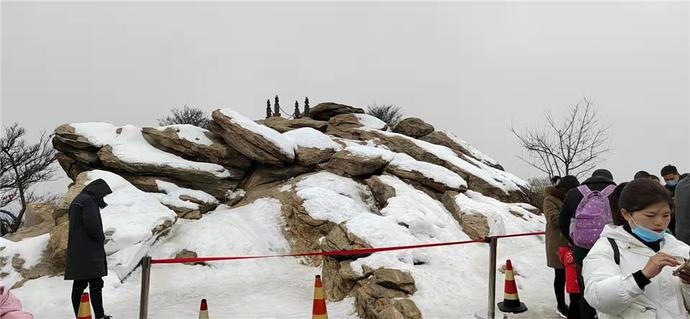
pixel 562 312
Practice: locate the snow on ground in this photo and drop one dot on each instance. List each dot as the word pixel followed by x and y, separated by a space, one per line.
pixel 130 146
pixel 333 198
pixel 371 121
pixel 284 144
pixel 190 133
pixel 268 288
pixel 128 220
pixel 451 280
pixel 309 137
pixel 30 249
pixel 447 278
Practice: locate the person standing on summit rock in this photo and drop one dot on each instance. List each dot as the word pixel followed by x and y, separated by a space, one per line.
pixel 86 262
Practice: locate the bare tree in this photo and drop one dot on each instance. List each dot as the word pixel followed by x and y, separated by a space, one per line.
pixel 535 191
pixel 570 145
pixel 188 115
pixel 390 114
pixel 21 166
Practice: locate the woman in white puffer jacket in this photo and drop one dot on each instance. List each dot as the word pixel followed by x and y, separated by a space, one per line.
pixel 642 283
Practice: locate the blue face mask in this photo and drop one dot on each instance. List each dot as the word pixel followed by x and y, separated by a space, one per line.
pixel 646 234
pixel 672 183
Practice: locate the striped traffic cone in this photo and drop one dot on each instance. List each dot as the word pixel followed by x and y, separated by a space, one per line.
pixel 84 307
pixel 511 301
pixel 318 310
pixel 203 310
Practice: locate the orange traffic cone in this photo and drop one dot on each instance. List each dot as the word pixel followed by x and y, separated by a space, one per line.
pixel 511 301
pixel 84 307
pixel 203 310
pixel 318 311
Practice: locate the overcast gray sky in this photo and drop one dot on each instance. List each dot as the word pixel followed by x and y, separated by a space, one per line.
pixel 471 68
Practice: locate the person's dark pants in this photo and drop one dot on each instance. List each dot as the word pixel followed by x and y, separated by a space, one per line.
pixel 574 309
pixel 95 288
pixel 586 311
pixel 559 287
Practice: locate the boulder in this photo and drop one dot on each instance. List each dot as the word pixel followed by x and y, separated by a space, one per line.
pixel 267 174
pixel 339 238
pixel 381 191
pixel 384 296
pixel 66 135
pixel 403 144
pixel 85 155
pixel 338 278
pixel 413 127
pixel 351 164
pixel 283 125
pixel 437 178
pixel 196 144
pixel 184 253
pixel 309 156
pixel 474 225
pixel 395 279
pixel 37 213
pixel 345 126
pixel 325 111
pixel 311 146
pixel 38 221
pixel 71 166
pixel 257 142
pixel 214 183
pixel 57 246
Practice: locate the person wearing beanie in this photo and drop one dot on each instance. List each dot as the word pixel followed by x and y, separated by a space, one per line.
pixel 600 180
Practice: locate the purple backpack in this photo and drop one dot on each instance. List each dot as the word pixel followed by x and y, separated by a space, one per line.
pixel 591 215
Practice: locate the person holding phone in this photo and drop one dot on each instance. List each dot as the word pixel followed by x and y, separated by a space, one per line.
pixel 629 272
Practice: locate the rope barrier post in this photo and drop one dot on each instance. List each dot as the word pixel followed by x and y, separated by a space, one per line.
pixel 493 243
pixel 145 281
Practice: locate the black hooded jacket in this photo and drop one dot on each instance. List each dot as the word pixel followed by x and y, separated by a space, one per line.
pixel 85 252
pixel 572 200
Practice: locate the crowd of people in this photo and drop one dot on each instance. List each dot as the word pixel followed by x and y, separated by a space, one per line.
pixel 620 251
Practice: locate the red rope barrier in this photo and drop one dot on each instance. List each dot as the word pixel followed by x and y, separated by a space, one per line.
pixel 520 235
pixel 362 251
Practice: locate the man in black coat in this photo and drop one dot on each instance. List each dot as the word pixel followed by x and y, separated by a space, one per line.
pixel 86 262
pixel 600 179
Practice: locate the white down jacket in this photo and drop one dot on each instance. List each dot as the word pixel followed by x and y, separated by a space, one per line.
pixel 612 290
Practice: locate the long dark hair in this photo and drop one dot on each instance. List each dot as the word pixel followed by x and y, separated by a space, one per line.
pixel 564 185
pixel 637 195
